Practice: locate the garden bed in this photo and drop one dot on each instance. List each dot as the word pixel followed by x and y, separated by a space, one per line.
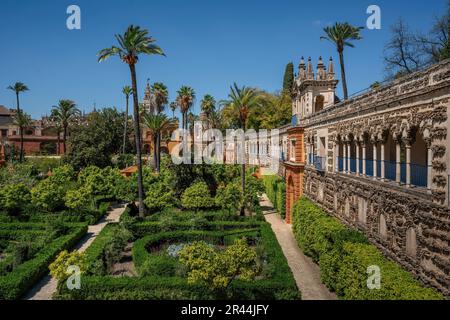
pixel 165 280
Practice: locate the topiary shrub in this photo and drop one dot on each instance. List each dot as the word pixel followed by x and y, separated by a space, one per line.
pixel 229 197
pixel 158 197
pixel 14 197
pixel 197 197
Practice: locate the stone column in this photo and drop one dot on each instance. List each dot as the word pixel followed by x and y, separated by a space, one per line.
pixel 336 150
pixel 375 160
pixel 429 167
pixel 408 165
pixel 345 157
pixel 364 158
pixel 383 173
pixel 349 152
pixel 357 158
pixel 397 162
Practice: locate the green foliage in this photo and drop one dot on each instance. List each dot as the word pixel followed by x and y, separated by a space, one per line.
pixel 95 141
pixel 344 256
pixel 229 197
pixel 275 188
pixel 219 268
pixel 78 198
pixel 197 197
pixel 19 173
pixel 14 197
pixel 160 265
pixel 288 80
pixel 254 188
pixel 43 164
pixel 59 267
pixel 159 196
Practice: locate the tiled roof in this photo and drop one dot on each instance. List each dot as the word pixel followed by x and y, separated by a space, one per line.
pixel 4 110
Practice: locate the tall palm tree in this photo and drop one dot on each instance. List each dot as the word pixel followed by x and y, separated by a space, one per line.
pixel 132 43
pixel 173 107
pixel 127 90
pixel 241 100
pixel 208 105
pixel 21 120
pixel 64 113
pixel 18 88
pixel 156 124
pixel 161 96
pixel 341 34
pixel 185 100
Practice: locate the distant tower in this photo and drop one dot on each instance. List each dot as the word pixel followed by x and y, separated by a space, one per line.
pixel 313 94
pixel 149 99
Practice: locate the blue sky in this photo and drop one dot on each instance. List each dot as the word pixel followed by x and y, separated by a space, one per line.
pixel 209 45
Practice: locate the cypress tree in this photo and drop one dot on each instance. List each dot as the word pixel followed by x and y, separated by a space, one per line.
pixel 288 80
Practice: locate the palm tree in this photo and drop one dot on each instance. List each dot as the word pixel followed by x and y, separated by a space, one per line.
pixel 341 34
pixel 64 114
pixel 161 96
pixel 156 124
pixel 18 88
pixel 21 120
pixel 173 107
pixel 241 100
pixel 127 90
pixel 132 43
pixel 208 105
pixel 185 100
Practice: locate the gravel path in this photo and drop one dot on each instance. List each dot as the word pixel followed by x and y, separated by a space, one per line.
pixel 44 288
pixel 305 271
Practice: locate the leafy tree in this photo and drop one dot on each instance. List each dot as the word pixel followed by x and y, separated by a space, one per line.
pixel 159 196
pixel 185 100
pixel 132 43
pixel 79 198
pixel 288 80
pixel 273 111
pixel 240 102
pixel 127 91
pixel 197 197
pixel 218 269
pixel 173 107
pixel 65 113
pixel 208 105
pixel 14 197
pixel 229 197
pixel 157 124
pixel 94 141
pixel 23 121
pixel 341 34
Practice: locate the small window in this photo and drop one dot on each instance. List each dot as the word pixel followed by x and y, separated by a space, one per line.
pixel 292 151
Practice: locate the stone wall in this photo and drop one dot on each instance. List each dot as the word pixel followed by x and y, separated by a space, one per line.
pixel 406 226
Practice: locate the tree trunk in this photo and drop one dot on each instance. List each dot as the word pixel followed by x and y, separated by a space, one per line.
pixel 125 128
pixel 17 102
pixel 344 81
pixel 158 152
pixel 64 139
pixel 243 174
pixel 155 151
pixel 137 134
pixel 21 144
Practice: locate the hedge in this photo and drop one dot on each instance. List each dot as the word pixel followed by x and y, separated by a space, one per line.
pixel 344 256
pixel 16 283
pixel 281 284
pixel 276 192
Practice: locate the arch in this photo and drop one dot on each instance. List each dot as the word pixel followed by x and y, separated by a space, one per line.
pixel 362 210
pixel 411 242
pixel 50 131
pixel 164 150
pixel 347 207
pixel 290 198
pixel 419 159
pixel 319 103
pixel 382 227
pixel 147 149
pixel 48 148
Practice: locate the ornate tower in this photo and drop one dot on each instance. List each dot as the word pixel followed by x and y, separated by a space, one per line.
pixel 149 100
pixel 313 93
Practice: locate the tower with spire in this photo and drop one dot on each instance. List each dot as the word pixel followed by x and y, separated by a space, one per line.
pixel 313 92
pixel 149 100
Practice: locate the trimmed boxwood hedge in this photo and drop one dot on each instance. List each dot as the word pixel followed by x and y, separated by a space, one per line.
pixel 17 282
pixel 281 284
pixel 276 192
pixel 344 255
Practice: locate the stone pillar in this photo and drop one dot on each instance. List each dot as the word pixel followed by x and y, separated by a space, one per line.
pixel 357 158
pixel 429 167
pixel 336 150
pixel 364 158
pixel 345 157
pixel 375 173
pixel 408 165
pixel 383 173
pixel 397 162
pixel 349 154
